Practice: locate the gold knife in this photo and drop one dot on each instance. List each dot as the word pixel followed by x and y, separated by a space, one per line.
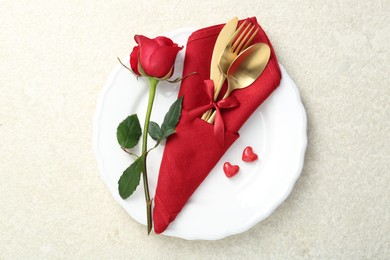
pixel 223 39
pixel 220 44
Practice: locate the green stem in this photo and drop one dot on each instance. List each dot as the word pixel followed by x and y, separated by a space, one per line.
pixel 152 93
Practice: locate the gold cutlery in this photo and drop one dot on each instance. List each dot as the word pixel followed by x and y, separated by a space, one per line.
pixel 223 39
pixel 220 44
pixel 246 68
pixel 232 49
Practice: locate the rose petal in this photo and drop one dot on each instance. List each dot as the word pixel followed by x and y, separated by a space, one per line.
pixel 161 61
pixel 146 48
pixel 134 60
pixel 164 41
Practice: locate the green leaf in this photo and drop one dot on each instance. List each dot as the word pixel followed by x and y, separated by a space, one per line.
pixel 155 131
pixel 130 178
pixel 168 132
pixel 129 131
pixel 141 163
pixel 171 118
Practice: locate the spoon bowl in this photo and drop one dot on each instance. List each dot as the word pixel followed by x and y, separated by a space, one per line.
pixel 247 67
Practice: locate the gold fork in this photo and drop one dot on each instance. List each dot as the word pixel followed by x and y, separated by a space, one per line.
pixel 234 47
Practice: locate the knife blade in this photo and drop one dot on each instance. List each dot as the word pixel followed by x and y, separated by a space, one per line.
pixel 222 40
pixel 220 44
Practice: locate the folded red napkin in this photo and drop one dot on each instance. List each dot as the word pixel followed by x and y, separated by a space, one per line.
pixel 193 151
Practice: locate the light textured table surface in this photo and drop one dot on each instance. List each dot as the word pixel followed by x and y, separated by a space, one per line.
pixel 55 57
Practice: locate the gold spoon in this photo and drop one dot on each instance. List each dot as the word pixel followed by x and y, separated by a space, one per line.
pixel 245 69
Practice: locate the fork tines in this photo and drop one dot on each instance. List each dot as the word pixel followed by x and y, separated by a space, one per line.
pixel 245 37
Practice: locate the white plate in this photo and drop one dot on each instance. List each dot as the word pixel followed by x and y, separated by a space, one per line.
pixel 221 206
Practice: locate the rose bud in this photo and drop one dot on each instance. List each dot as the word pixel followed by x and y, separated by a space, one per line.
pixel 154 57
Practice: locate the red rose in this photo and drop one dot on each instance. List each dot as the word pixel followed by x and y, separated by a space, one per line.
pixel 154 57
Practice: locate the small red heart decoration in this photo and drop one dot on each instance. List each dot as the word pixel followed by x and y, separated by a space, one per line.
pixel 230 170
pixel 248 155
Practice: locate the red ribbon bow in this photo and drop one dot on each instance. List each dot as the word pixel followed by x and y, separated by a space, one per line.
pixel 226 103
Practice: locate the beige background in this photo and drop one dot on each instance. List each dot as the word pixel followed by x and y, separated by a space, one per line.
pixel 55 57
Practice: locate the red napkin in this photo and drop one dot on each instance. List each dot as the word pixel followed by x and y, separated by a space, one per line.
pixel 193 151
